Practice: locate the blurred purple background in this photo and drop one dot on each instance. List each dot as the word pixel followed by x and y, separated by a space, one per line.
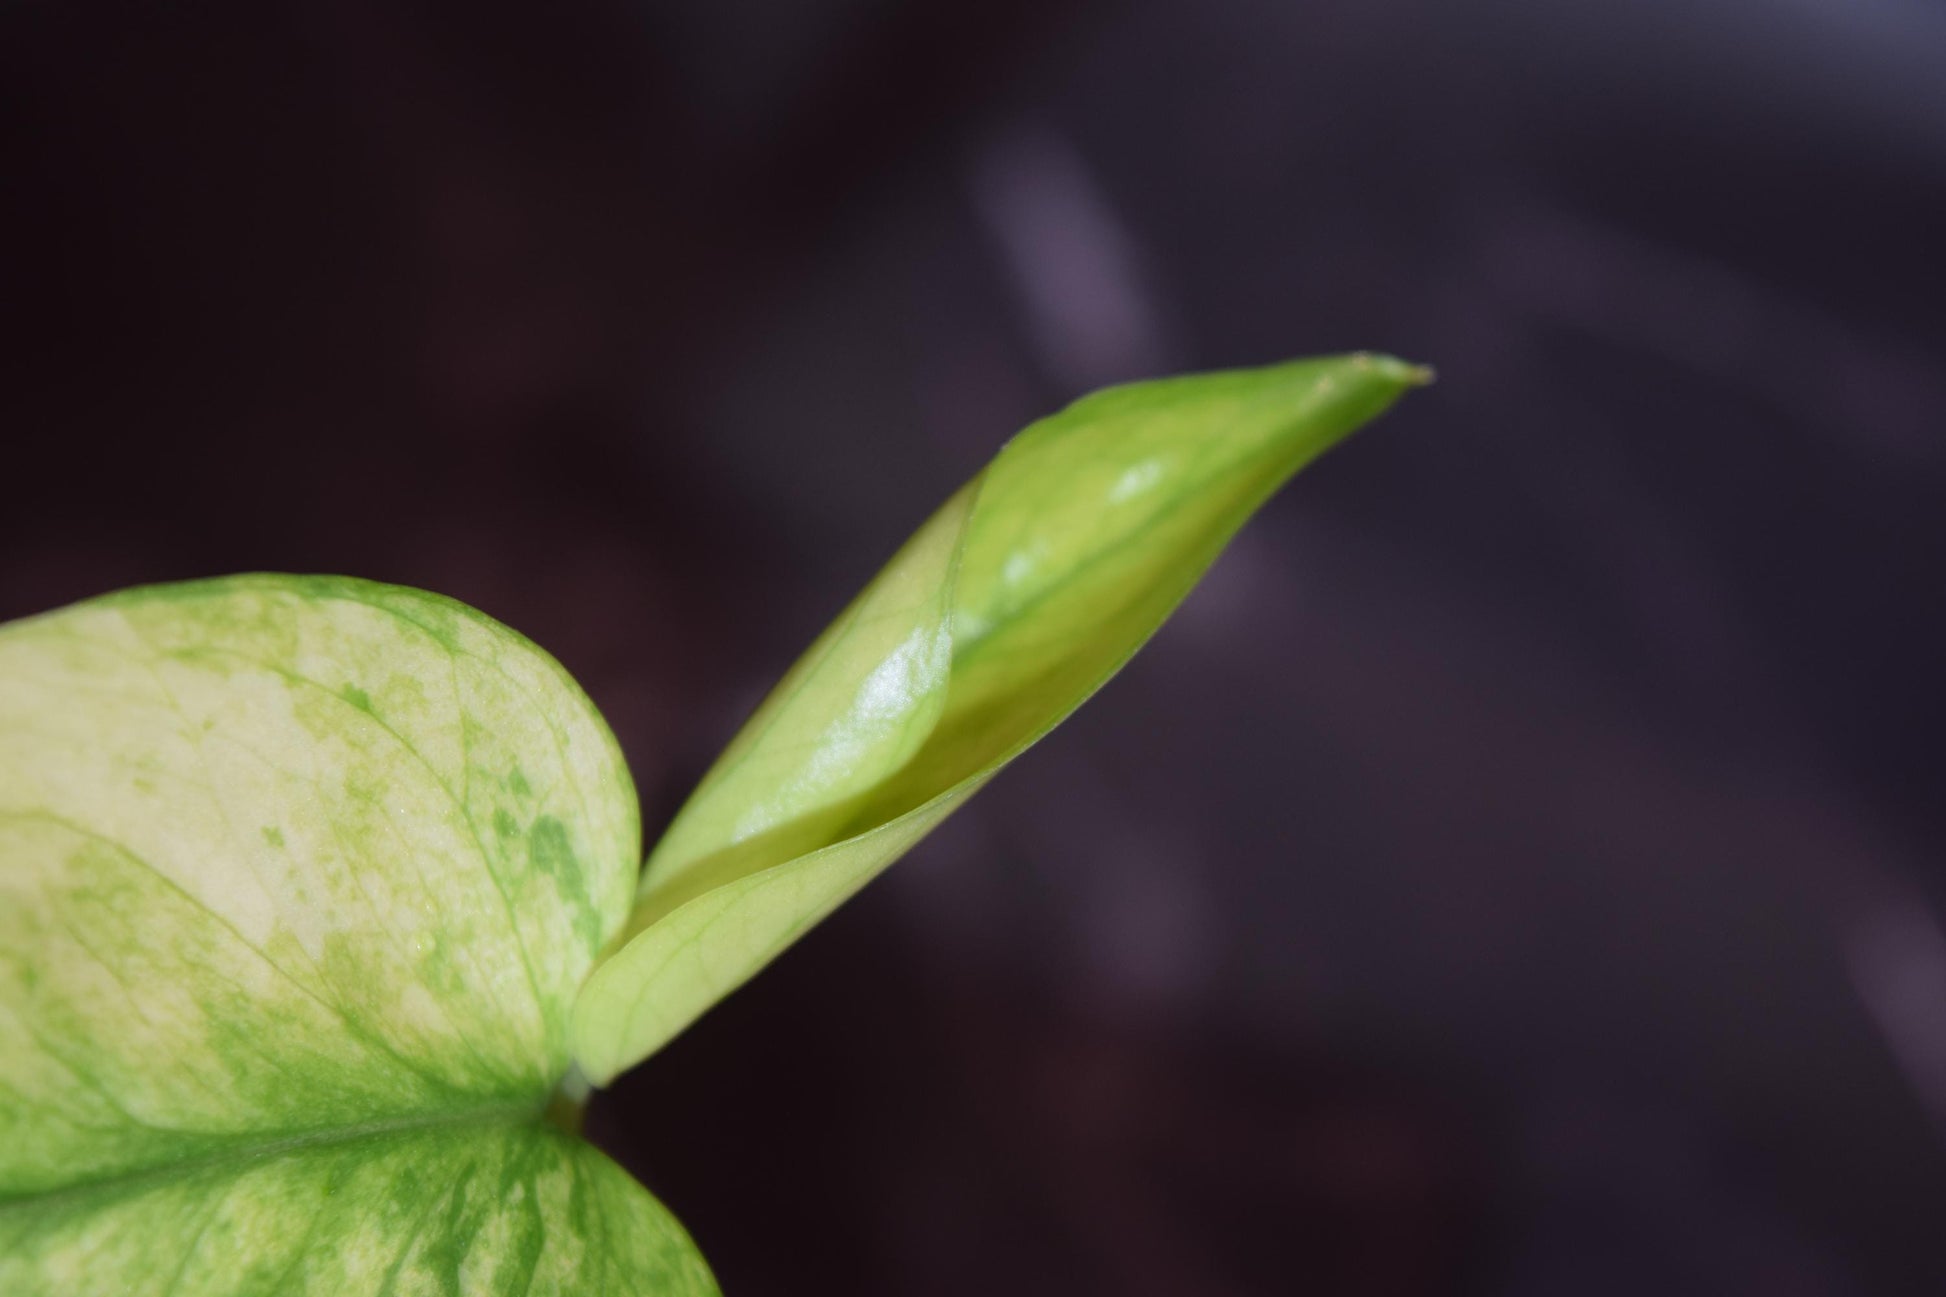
pixel 1518 871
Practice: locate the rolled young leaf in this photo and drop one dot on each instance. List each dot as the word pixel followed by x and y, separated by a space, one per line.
pixel 1017 600
pixel 295 872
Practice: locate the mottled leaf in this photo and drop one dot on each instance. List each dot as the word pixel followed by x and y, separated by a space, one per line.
pixel 282 861
pixel 488 1208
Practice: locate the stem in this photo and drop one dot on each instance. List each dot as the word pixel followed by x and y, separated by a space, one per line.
pixel 569 1103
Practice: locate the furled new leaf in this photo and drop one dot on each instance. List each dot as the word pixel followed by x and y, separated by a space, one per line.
pixel 1019 598
pixel 299 878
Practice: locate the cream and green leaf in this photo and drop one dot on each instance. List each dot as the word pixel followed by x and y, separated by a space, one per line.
pixel 321 900
pixel 299 878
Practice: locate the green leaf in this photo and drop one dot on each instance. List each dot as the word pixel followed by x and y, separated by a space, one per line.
pixel 460 1209
pixel 1017 600
pixel 285 861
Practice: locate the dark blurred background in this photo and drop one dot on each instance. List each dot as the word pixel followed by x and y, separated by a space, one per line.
pixel 1517 871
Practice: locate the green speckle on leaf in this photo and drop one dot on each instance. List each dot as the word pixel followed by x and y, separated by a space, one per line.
pixel 553 855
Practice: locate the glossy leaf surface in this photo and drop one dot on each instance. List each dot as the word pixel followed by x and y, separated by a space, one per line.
pixel 1018 599
pixel 285 861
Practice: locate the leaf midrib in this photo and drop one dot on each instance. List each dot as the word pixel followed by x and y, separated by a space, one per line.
pixel 526 1113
